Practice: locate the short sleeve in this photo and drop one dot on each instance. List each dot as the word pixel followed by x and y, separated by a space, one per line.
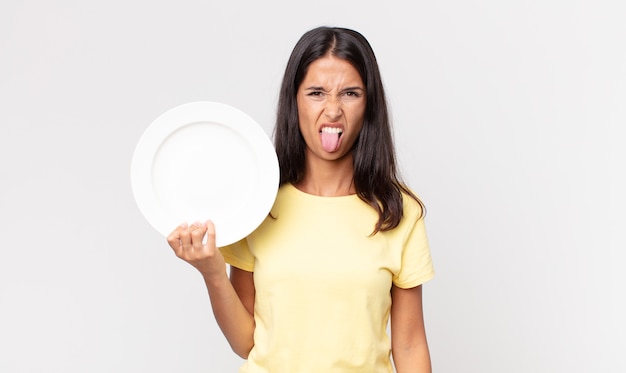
pixel 416 262
pixel 239 255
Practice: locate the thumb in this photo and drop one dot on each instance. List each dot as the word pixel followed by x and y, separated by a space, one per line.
pixel 210 234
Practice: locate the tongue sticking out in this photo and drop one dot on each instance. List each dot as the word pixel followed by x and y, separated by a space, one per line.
pixel 330 141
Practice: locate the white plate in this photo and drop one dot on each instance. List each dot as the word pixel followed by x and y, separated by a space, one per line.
pixel 205 160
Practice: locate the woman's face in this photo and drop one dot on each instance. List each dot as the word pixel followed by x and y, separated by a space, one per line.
pixel 331 107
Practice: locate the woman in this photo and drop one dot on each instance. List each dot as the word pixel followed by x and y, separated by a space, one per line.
pixel 344 248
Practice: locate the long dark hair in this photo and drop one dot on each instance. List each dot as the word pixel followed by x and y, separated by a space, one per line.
pixel 376 177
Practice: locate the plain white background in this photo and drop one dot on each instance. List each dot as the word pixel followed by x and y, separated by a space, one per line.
pixel 508 118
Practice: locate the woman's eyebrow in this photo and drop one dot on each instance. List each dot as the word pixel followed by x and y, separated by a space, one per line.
pixel 355 88
pixel 315 88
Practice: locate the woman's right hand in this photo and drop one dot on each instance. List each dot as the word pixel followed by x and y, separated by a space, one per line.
pixel 234 318
pixel 189 244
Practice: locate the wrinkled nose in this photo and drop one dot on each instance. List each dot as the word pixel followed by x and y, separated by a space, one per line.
pixel 333 109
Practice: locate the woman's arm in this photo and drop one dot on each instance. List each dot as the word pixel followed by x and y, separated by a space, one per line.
pixel 408 335
pixel 231 300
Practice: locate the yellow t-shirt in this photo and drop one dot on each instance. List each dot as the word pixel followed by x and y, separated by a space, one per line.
pixel 323 283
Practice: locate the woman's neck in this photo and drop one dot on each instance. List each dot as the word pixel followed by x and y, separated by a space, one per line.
pixel 328 178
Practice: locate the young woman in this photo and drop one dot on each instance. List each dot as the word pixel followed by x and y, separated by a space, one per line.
pixel 344 250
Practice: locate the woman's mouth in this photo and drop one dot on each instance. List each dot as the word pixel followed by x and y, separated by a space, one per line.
pixel 331 137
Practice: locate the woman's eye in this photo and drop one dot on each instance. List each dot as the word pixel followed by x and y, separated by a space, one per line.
pixel 352 94
pixel 315 93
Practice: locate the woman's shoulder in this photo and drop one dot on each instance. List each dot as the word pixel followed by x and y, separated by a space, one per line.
pixel 412 204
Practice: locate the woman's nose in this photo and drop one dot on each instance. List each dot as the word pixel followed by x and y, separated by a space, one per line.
pixel 333 108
